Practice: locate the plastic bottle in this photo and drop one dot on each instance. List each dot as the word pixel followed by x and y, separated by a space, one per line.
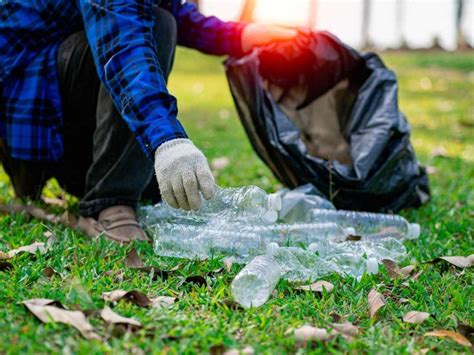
pixel 368 223
pixel 249 204
pixel 299 234
pixel 243 203
pixel 194 241
pixel 254 284
pixel 297 203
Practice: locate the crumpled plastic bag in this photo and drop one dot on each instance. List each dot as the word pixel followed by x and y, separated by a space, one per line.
pixel 317 111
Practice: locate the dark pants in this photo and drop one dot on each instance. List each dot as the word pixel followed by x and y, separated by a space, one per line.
pixel 103 164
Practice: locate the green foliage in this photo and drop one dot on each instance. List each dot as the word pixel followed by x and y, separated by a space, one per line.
pixel 436 92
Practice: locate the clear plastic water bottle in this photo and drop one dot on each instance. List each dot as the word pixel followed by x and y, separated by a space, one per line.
pixel 202 242
pixel 368 223
pixel 299 234
pixel 254 284
pixel 244 203
pixel 297 203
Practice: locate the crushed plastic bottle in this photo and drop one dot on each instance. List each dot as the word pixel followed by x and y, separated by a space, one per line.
pixel 202 242
pixel 244 203
pixel 298 203
pixel 249 204
pixel 368 223
pixel 299 234
pixel 254 284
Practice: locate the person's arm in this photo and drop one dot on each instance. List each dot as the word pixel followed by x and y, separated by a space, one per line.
pixel 213 36
pixel 120 33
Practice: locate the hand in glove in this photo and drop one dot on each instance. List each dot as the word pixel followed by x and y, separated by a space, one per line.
pixel 258 34
pixel 182 171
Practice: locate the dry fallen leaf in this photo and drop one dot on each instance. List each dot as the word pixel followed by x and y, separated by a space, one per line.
pixel 415 317
pixel 466 330
pixel 49 311
pixel 136 297
pixel 219 163
pixel 458 338
pixel 317 287
pixel 32 211
pixel 308 333
pixel 111 317
pixel 198 280
pixel 375 301
pixel 458 261
pixel 5 266
pixel 162 301
pixel 228 262
pixel 38 247
pixel 248 350
pixel 50 272
pixel 346 329
pixel 394 271
pixel 133 261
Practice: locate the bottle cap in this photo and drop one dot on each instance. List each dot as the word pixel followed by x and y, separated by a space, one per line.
pixel 414 231
pixel 274 202
pixel 270 217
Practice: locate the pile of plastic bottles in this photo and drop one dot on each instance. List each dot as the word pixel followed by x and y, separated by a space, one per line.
pixel 291 235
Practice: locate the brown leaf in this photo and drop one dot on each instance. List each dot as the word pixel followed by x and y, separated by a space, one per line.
pixel 466 330
pixel 346 329
pixel 136 297
pixel 50 272
pixel 111 317
pixel 133 260
pixel 248 350
pixel 47 312
pixel 55 201
pixel 162 301
pixel 407 270
pixel 117 275
pixel 392 267
pixel 228 262
pixel 394 271
pixel 198 280
pixel 317 287
pixel 32 211
pixel 458 338
pixel 458 261
pixel 375 301
pixel 415 317
pixel 5 266
pixel 38 247
pixel 353 238
pixel 309 333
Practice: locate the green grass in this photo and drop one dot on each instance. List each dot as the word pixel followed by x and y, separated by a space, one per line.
pixel 436 93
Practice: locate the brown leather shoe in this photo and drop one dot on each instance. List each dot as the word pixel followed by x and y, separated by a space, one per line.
pixel 120 223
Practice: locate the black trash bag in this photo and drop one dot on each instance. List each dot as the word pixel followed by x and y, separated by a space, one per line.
pixel 316 111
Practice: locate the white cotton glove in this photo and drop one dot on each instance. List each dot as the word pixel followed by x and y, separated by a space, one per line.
pixel 182 171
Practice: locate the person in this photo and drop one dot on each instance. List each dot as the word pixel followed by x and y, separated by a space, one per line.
pixel 83 99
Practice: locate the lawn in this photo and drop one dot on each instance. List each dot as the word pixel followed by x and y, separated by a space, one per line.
pixel 436 93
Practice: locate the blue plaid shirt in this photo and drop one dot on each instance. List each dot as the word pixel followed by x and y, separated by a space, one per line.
pixel 120 34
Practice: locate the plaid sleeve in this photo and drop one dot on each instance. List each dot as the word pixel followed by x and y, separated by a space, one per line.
pixel 120 33
pixel 208 34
